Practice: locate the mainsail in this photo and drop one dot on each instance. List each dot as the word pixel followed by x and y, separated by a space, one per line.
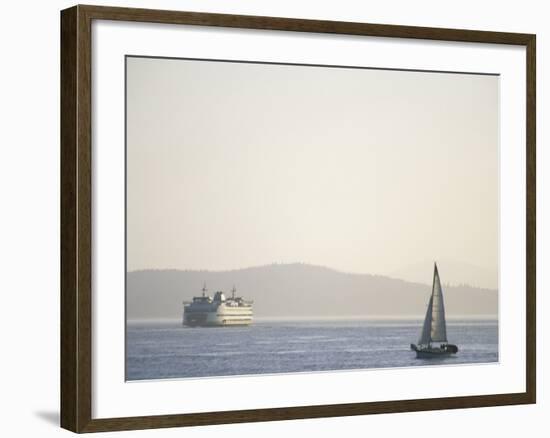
pixel 434 329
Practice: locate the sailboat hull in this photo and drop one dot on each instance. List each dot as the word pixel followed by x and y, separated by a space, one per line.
pixel 434 352
pixel 429 354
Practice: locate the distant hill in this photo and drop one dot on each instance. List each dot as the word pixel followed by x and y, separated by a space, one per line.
pixel 294 290
pixel 454 272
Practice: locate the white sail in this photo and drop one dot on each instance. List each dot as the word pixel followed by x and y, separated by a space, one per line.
pixel 439 328
pixel 425 336
pixel 434 328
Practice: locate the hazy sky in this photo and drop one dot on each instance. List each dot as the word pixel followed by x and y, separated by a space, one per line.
pixel 233 165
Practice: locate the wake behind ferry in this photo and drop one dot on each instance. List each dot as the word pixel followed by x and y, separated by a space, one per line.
pixel 207 311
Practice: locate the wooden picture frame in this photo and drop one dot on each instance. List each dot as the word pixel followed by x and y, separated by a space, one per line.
pixel 76 217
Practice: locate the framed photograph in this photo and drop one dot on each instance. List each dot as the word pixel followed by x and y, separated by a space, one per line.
pixel 272 218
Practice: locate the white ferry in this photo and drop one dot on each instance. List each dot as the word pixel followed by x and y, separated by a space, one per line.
pixel 207 311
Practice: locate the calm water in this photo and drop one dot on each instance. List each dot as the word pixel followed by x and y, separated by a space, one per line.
pixel 168 350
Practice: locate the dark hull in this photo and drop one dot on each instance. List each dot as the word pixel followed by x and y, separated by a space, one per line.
pixel 434 352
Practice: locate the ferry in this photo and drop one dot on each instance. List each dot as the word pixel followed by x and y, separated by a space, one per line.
pixel 217 311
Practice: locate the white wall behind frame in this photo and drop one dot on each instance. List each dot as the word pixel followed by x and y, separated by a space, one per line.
pixel 29 231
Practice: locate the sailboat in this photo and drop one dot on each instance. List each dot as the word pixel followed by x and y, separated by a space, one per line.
pixel 434 329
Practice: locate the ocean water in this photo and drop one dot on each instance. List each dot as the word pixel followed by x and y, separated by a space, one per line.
pixel 161 350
